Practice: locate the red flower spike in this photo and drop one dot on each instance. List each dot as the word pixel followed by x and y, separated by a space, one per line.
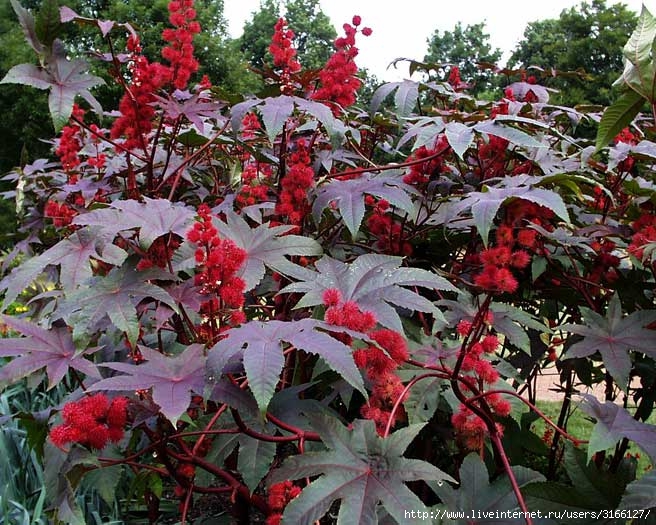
pixel 92 421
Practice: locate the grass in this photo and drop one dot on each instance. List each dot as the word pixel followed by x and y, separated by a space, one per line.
pixel 580 425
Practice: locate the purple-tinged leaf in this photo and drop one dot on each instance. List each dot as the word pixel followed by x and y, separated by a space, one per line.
pixel 153 217
pixel 106 26
pixel 380 95
pixel 70 78
pixel 640 494
pixel 255 459
pixel 28 25
pixel 513 135
pixel 194 109
pixel 614 336
pixel 66 14
pixel 372 281
pixel 29 75
pixel 275 112
pixel 360 469
pixel 614 423
pixel 460 137
pixel 265 246
pixel 484 205
pixel 260 346
pixel 521 89
pixel 114 296
pixel 52 349
pixel 476 491
pixel 72 255
pixel 171 378
pixel 405 98
pixel 349 196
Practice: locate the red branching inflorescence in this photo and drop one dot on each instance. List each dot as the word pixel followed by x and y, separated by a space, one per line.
pixel 93 421
pixel 387 231
pixel 645 233
pixel 470 429
pixel 136 106
pixel 422 173
pixel 338 79
pixel 180 51
pixel 69 144
pixel 279 496
pixel 293 204
pixel 284 55
pixel 61 213
pixel 219 261
pixel 379 361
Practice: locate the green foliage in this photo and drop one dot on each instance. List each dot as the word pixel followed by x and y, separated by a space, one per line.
pixel 308 307
pixel 586 39
pixel 313 32
pixel 465 47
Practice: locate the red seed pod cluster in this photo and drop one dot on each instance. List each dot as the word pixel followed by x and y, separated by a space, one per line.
pixel 93 422
pixel 470 428
pixel 338 80
pixel 284 55
pixel 379 361
pixel 387 231
pixel 180 51
pixel 279 496
pixel 293 204
pixel 645 233
pixel 136 106
pixel 219 261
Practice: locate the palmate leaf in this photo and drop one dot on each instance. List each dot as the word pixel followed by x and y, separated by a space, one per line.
pixel 72 254
pixel 640 494
pixel 265 246
pixel 260 346
pixel 374 282
pixel 476 492
pixel 349 196
pixel 52 349
pixel 171 378
pixel 153 217
pixel 276 110
pixel 114 297
pixel 485 204
pixel 618 116
pixel 614 423
pixel 614 336
pixel 64 78
pixel 360 469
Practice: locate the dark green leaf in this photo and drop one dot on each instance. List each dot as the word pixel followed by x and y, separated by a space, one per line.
pixel 360 469
pixel 618 116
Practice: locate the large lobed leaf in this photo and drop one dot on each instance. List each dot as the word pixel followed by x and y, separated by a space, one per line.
pixel 52 349
pixel 613 423
pixel 485 204
pixel 477 493
pixel 374 282
pixel 260 346
pixel 65 79
pixel 265 246
pixel 114 296
pixel 349 196
pixel 614 336
pixel 153 217
pixel 360 469
pixel 72 254
pixel 171 378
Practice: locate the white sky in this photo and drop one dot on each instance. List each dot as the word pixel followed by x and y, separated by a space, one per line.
pixel 402 27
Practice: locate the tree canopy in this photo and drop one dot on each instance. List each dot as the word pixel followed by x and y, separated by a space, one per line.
pixel 465 47
pixel 587 38
pixel 313 32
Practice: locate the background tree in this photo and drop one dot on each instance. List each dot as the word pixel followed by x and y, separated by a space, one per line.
pixel 590 38
pixel 313 30
pixel 465 47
